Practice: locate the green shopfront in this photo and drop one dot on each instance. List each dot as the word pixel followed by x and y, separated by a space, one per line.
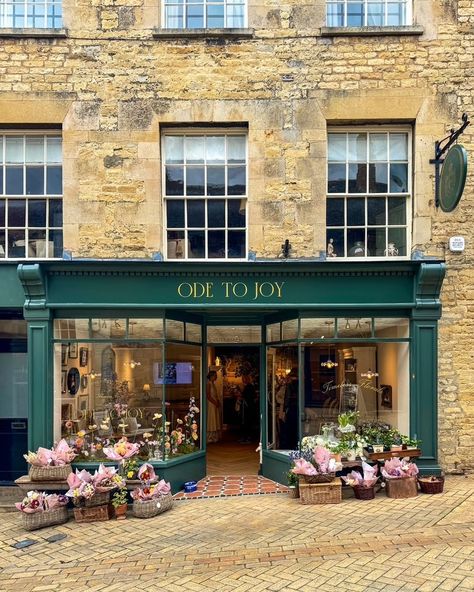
pixel 123 349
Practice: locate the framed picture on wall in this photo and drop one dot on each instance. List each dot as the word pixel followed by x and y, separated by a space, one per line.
pixel 83 404
pixel 83 356
pixel 73 351
pixel 386 396
pixel 63 381
pixel 64 354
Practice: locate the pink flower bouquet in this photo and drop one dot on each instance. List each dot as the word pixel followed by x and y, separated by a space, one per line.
pixel 39 501
pixel 106 479
pixel 122 450
pixel 321 468
pixel 59 455
pixel 368 479
pixel 150 492
pixel 146 473
pixel 397 468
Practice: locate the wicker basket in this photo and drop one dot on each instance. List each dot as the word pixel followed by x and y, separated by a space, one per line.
pixel 401 488
pixel 364 493
pixel 59 473
pixel 325 478
pixel 150 508
pixel 321 493
pixel 46 518
pixel 431 486
pixel 94 514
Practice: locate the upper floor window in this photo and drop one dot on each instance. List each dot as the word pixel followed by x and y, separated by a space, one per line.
pixel 366 13
pixel 205 190
pixel 31 205
pixel 27 14
pixel 204 14
pixel 369 184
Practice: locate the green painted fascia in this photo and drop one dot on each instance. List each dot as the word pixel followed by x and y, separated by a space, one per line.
pixel 147 285
pixel 11 294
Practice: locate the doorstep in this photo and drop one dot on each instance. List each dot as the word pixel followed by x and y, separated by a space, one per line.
pixel 220 486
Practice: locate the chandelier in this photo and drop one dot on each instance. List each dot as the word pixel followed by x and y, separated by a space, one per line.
pixel 369 374
pixel 329 363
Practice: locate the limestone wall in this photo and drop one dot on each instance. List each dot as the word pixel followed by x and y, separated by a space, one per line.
pixel 113 85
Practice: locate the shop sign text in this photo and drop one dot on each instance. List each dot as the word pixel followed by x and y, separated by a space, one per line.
pixel 231 290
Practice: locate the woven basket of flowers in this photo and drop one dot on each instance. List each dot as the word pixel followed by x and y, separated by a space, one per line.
pixel 150 498
pixel 50 464
pixel 39 510
pixel 152 507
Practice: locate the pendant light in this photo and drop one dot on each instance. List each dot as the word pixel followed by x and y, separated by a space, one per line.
pixel 369 374
pixel 329 363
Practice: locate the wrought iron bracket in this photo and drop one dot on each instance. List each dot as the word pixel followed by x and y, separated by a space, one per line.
pixel 441 147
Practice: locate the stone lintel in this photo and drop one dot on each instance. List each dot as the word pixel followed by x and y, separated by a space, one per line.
pixel 370 31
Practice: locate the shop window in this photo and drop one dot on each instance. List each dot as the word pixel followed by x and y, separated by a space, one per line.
pixel 366 13
pixel 205 190
pixel 317 328
pixel 369 188
pixel 204 14
pixel 31 205
pixel 372 379
pixel 146 391
pixel 27 14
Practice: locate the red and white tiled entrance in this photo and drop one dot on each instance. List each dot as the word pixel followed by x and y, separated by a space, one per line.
pixel 232 485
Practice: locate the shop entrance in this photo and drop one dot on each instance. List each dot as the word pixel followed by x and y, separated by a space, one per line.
pixel 233 409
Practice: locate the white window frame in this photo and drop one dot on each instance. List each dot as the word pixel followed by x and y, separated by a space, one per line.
pixel 185 3
pixel 189 131
pixel 346 195
pixel 28 6
pixel 25 133
pixel 408 11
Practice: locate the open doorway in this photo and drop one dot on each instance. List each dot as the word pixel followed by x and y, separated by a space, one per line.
pixel 233 410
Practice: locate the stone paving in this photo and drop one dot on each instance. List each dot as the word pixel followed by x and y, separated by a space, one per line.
pixel 257 543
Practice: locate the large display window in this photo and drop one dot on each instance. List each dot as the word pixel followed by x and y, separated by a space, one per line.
pixel 336 366
pixel 133 379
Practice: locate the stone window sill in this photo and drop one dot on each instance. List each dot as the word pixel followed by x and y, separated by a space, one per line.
pixel 41 33
pixel 370 31
pixel 201 33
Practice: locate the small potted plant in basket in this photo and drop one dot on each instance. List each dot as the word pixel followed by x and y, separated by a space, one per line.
pixel 363 485
pixel 119 502
pixel 40 509
pixel 151 499
pixel 400 477
pixel 51 464
pixel 293 489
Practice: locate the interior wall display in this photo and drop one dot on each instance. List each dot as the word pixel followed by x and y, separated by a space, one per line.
pixel 386 396
pixel 63 381
pixel 83 356
pixel 73 351
pixel 64 354
pixel 84 382
pixel 73 381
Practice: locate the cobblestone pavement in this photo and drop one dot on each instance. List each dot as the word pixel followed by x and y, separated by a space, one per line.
pixel 257 543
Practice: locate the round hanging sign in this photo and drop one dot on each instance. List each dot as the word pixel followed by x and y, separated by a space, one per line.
pixel 452 178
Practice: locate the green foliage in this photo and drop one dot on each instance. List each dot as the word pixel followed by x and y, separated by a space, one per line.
pixel 292 479
pixel 120 497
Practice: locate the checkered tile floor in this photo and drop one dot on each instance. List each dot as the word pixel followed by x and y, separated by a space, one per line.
pixel 232 485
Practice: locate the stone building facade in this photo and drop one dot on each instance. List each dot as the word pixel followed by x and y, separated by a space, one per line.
pixel 113 80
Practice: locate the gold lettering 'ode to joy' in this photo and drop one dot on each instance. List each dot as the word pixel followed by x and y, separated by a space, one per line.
pixel 231 290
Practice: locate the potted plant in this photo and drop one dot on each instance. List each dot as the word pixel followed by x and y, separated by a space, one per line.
pixel 119 502
pixel 51 464
pixel 293 490
pixel 40 509
pixel 363 485
pixel 400 476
